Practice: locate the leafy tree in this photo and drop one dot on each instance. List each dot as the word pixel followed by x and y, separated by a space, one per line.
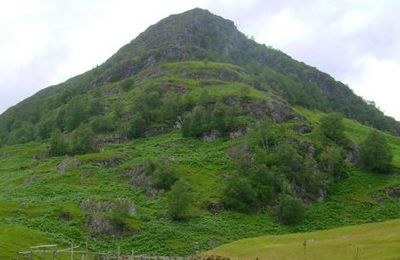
pixel 163 173
pixel 264 135
pixel 375 153
pixel 58 146
pixel 290 210
pixel 331 161
pixel 196 122
pixel 104 124
pixel 239 194
pixel 137 126
pixel 83 141
pixel 333 128
pixel 180 200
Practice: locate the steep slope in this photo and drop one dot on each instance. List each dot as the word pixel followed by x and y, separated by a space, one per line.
pixel 194 35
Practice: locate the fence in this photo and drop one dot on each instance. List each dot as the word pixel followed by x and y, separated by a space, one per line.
pixel 51 252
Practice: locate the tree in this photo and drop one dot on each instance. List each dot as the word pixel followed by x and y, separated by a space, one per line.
pixel 137 126
pixel 179 200
pixel 83 141
pixel 375 153
pixel 239 194
pixel 58 146
pixel 333 128
pixel 290 210
pixel 331 161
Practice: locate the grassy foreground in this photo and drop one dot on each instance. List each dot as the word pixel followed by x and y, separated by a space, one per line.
pixel 367 241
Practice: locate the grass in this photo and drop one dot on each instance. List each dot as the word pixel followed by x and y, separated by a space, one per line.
pixel 34 193
pixel 367 241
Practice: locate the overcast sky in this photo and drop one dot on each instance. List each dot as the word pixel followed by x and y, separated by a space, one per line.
pixel 45 42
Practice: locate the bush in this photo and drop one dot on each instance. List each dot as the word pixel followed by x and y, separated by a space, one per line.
pixel 375 153
pixel 162 172
pixel 137 127
pixel 333 128
pixel 331 161
pixel 103 124
pixel 180 200
pixel 290 210
pixel 58 146
pixel 83 141
pixel 239 194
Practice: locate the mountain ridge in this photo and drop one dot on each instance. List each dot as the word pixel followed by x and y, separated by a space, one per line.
pixel 200 35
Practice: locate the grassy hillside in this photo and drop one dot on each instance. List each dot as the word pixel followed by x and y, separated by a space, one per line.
pixel 367 241
pixel 41 201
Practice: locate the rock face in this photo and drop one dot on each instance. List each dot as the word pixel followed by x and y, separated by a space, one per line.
pixel 120 205
pixel 67 165
pixel 210 136
pixel 277 111
pixel 100 224
pixel 139 178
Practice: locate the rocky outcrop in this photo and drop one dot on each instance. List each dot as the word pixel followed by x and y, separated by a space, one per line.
pixel 67 165
pixel 120 205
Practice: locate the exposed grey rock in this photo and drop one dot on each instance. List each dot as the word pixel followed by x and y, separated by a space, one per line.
pixel 239 132
pixel 156 131
pixel 120 205
pixel 302 129
pixel 99 224
pixel 352 154
pixel 216 207
pixel 139 178
pixel 67 165
pixel 210 136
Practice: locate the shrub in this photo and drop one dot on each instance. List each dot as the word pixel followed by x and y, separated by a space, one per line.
pixel 103 124
pixel 83 141
pixel 375 153
pixel 180 200
pixel 333 128
pixel 162 172
pixel 58 146
pixel 290 210
pixel 137 126
pixel 239 194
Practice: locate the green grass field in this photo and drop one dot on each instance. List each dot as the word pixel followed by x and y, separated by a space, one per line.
pixel 367 241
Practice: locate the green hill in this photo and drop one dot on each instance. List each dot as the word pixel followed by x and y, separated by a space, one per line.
pixel 368 241
pixel 189 137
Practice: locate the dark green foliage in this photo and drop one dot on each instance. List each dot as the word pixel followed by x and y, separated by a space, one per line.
pixel 290 210
pixel 196 122
pixel 137 126
pixel 375 153
pixel 239 194
pixel 202 119
pixel 58 146
pixel 163 173
pixel 180 200
pixel 26 133
pixel 264 135
pixel 104 124
pixel 332 127
pixel 83 140
pixel 331 161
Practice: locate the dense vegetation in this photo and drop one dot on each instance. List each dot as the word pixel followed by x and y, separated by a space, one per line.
pixel 174 146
